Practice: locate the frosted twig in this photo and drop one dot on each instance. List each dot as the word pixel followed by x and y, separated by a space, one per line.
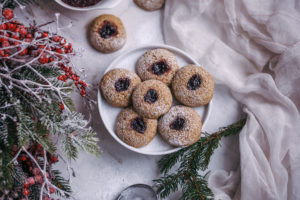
pixel 44 173
pixel 16 156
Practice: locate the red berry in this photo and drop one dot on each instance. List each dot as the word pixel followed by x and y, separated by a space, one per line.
pixel 35 171
pixel 26 184
pixel 15 37
pixel 8 13
pixel 59 51
pixel 82 93
pixel 29 36
pixel 24 52
pixel 5 44
pixel 39 146
pixel 31 180
pixel 3 27
pixel 11 26
pixel 2 39
pixel 45 198
pixel 23 31
pixel 43 59
pixel 54 158
pixel 26 192
pixel 23 158
pixel 2 53
pixel 56 38
pixel 62 107
pixel 44 34
pixel 38 179
pixel 51 190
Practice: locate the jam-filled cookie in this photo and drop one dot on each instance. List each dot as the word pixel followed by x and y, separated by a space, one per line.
pixel 150 5
pixel 134 129
pixel 181 126
pixel 152 99
pixel 193 86
pixel 159 64
pixel 117 86
pixel 107 33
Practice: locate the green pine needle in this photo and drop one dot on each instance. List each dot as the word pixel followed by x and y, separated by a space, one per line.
pixel 61 183
pixel 192 159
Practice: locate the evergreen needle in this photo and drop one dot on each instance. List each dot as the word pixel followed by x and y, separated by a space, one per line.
pixel 189 161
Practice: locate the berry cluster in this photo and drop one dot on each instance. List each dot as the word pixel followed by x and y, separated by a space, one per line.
pixel 33 174
pixel 18 42
pixel 69 74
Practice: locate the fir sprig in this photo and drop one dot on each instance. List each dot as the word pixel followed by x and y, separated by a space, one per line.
pixel 190 160
pixel 37 114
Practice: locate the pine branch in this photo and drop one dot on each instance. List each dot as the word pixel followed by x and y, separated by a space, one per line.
pixel 61 183
pixel 3 133
pixel 37 78
pixel 192 159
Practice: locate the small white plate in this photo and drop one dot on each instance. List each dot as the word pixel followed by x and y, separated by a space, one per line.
pixel 109 114
pixel 103 4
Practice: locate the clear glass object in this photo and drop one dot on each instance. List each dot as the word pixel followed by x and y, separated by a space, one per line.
pixel 138 192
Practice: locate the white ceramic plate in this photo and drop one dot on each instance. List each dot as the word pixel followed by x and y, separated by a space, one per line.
pixel 103 4
pixel 109 114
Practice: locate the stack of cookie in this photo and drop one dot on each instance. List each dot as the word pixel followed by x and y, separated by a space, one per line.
pixel 147 96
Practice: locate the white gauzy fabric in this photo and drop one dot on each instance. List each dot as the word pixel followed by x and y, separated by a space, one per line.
pixel 235 40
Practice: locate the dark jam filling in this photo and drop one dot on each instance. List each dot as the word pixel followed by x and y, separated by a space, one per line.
pixel 151 96
pixel 159 68
pixel 194 82
pixel 178 124
pixel 81 3
pixel 108 29
pixel 122 84
pixel 138 125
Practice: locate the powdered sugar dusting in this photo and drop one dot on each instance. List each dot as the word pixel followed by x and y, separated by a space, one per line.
pixel 128 135
pixel 150 4
pixel 194 98
pixel 107 86
pixel 110 44
pixel 189 134
pixel 153 56
pixel 156 109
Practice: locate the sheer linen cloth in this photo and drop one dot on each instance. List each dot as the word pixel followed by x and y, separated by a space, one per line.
pixel 253 47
